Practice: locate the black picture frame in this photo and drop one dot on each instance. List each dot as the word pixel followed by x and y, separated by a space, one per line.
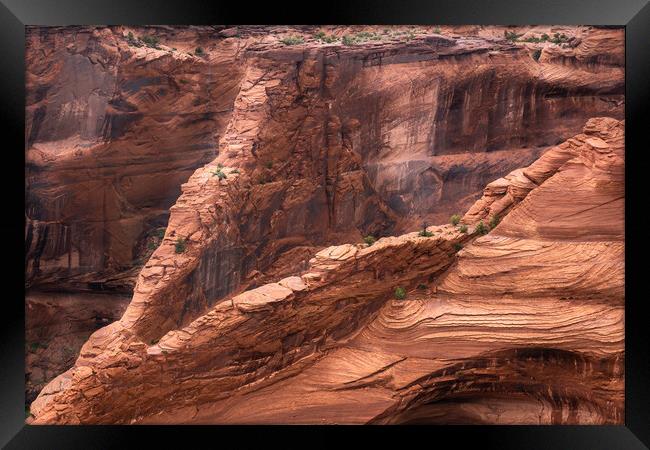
pixel 634 15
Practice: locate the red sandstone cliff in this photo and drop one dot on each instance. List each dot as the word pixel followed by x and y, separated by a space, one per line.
pixel 521 321
pixel 291 148
pixel 373 136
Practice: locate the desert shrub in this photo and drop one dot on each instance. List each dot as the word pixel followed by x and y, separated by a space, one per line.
pixel 292 40
pixel 234 171
pixel 481 228
pixel 533 39
pixel 400 293
pixel 436 30
pixel 494 221
pixel 463 228
pixel 261 180
pixel 559 38
pixel 365 36
pixel 199 51
pixel 151 245
pixel 422 287
pixel 219 174
pixel 457 246
pixel 330 39
pixel 180 245
pixel 268 164
pixel 455 219
pixel 348 40
pixel 545 37
pixel 424 232
pixel 536 54
pixel 150 41
pixel 511 36
pixel 131 40
pixel 370 239
pixel 160 232
pixel 219 166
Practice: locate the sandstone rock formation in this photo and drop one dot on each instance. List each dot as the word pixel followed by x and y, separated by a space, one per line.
pixel 203 171
pixel 520 327
pixel 377 135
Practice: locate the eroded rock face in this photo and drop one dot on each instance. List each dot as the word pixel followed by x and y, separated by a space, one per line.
pixel 112 130
pixel 371 138
pixel 240 342
pixel 513 330
pixel 299 147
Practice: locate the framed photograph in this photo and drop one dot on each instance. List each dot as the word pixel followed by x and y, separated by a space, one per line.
pixel 250 218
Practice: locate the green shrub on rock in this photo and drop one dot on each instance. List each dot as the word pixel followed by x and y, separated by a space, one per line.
pixel 292 40
pixel 424 232
pixel 494 221
pixel 481 228
pixel 180 245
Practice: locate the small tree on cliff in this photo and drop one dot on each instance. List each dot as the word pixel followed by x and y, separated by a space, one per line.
pixel 400 293
pixel 424 232
pixel 455 219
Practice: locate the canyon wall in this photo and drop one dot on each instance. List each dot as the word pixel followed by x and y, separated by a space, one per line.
pixel 216 161
pixel 518 325
pixel 381 134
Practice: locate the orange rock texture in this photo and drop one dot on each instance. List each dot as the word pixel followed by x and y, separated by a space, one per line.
pixel 520 327
pixel 241 313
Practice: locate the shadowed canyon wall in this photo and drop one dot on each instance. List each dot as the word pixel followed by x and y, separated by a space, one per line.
pixel 254 154
pixel 420 124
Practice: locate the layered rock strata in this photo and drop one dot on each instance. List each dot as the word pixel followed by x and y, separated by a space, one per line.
pixel 382 134
pixel 521 327
pixel 240 342
pixel 299 147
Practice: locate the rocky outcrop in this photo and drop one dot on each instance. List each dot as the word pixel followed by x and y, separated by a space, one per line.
pixel 241 341
pixel 503 194
pixel 520 327
pixel 278 151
